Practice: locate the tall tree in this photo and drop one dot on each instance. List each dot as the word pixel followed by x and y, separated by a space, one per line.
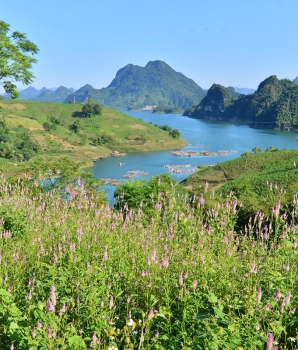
pixel 15 59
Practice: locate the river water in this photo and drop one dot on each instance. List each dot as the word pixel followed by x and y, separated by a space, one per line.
pixel 201 135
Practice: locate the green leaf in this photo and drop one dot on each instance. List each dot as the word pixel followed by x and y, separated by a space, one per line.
pixel 41 305
pixel 202 316
pixel 5 292
pixel 13 326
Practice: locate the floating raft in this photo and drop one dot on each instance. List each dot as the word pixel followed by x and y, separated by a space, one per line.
pixel 112 182
pixel 185 153
pixel 202 153
pixel 182 168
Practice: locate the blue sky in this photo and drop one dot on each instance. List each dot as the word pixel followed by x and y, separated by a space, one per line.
pixel 229 42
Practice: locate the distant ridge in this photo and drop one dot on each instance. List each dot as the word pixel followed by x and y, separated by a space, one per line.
pixel 45 95
pixel 244 91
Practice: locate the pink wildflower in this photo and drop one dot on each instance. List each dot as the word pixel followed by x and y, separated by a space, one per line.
pixel 269 342
pixel 259 295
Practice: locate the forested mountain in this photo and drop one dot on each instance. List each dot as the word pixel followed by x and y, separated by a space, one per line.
pixel 155 84
pixel 273 105
pixel 59 95
pixel 45 95
pixel 29 93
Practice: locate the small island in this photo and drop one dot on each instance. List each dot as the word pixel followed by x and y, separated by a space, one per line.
pixel 164 109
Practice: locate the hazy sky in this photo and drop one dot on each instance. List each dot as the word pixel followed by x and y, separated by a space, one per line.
pixel 233 43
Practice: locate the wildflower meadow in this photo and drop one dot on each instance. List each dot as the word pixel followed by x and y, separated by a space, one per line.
pixel 79 274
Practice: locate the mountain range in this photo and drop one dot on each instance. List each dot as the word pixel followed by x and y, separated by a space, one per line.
pixel 157 84
pixel 46 95
pixel 133 87
pixel 273 105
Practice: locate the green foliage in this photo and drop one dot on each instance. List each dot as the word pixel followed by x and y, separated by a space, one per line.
pixel 133 194
pixel 102 140
pixel 18 146
pixel 256 149
pixel 4 132
pixel 54 120
pixel 49 126
pixel 247 153
pixel 62 174
pixel 271 149
pixel 15 59
pixel 175 133
pixel 89 109
pixel 75 126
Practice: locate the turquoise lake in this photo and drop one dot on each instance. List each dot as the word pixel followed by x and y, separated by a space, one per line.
pixel 201 135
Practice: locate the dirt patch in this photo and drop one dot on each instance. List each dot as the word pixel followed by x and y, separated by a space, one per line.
pixel 64 143
pixel 13 106
pixel 138 126
pixel 115 126
pixel 36 128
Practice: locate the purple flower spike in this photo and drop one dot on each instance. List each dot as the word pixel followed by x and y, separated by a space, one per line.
pixel 49 306
pixel 269 342
pixel 53 295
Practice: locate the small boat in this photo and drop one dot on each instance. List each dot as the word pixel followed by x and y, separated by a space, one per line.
pixel 120 164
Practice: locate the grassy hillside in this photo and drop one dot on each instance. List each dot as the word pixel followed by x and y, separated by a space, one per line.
pixel 258 180
pixel 97 136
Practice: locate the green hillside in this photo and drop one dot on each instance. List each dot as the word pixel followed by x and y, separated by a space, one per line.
pixel 258 180
pixel 273 105
pixel 29 129
pixel 155 84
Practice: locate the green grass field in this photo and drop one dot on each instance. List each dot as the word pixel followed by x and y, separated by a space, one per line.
pixel 257 179
pixel 125 133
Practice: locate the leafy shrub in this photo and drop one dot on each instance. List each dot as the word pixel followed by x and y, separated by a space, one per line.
pixel 49 126
pixel 102 140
